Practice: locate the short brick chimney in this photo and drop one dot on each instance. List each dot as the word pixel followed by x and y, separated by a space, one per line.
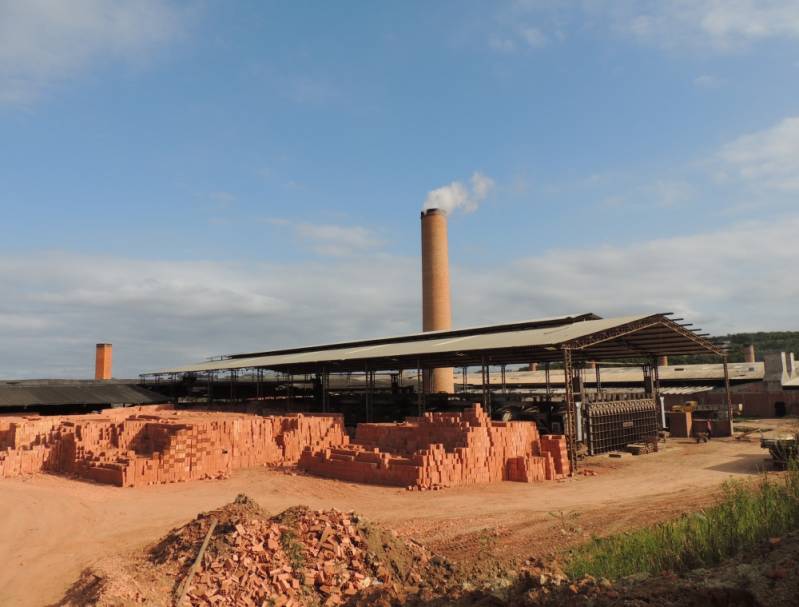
pixel 103 361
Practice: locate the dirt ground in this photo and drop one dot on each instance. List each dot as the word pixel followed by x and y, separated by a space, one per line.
pixel 54 527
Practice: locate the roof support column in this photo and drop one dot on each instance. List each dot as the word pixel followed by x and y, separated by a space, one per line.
pixel 370 382
pixel 659 415
pixel 486 386
pixel 598 381
pixel 547 382
pixel 727 394
pixel 325 381
pixel 419 388
pixel 571 408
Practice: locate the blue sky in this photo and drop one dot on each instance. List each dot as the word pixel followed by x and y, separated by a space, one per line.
pixel 187 179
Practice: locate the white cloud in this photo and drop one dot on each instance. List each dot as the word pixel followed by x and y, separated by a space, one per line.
pixel 338 240
pixel 512 35
pixel 330 239
pixel 533 36
pixel 222 200
pixel 44 42
pixel 708 81
pixel 311 90
pixel 767 158
pixel 456 195
pixel 730 279
pixel 720 24
pixel 161 313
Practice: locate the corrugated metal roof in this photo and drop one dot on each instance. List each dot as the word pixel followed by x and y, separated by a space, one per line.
pixel 519 325
pixel 460 343
pixel 657 334
pixel 21 395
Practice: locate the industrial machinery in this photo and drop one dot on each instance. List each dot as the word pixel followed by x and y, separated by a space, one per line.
pixel 783 448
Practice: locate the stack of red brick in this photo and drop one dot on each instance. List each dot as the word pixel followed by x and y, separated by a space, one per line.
pixel 151 446
pixel 443 450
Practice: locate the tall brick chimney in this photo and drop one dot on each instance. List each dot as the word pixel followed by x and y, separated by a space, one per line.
pixel 436 305
pixel 102 364
pixel 663 361
pixel 749 353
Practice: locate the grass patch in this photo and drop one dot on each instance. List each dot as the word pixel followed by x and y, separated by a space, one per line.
pixel 743 517
pixel 293 549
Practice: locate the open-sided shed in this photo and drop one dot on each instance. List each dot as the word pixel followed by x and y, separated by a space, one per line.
pixel 571 341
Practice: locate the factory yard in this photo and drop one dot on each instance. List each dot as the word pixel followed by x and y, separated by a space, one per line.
pixel 54 527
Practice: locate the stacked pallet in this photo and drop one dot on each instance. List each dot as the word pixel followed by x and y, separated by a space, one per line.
pixel 157 446
pixel 443 450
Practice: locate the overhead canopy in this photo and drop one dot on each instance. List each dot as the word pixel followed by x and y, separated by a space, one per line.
pixel 27 394
pixel 587 336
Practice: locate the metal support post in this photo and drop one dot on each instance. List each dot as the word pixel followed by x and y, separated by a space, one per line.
pixel 571 414
pixel 370 379
pixel 656 391
pixel 325 387
pixel 727 394
pixel 548 384
pixel 419 388
pixel 598 381
pixel 484 384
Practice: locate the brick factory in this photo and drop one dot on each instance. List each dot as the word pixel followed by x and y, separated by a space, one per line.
pixel 408 402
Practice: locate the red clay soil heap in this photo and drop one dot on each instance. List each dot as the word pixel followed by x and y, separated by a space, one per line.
pixel 152 445
pixel 443 450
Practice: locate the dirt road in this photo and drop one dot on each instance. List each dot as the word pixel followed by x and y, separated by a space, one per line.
pixel 53 527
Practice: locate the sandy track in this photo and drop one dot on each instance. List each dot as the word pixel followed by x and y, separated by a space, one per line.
pixel 52 528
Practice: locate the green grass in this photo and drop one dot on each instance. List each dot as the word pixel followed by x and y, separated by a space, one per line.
pixel 743 517
pixel 293 549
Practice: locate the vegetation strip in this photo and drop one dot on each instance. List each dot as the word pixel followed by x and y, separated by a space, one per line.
pixel 743 517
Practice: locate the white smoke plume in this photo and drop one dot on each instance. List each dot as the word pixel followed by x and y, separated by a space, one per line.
pixel 457 196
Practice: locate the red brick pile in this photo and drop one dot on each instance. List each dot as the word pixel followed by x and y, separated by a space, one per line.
pixel 320 558
pixel 144 446
pixel 443 450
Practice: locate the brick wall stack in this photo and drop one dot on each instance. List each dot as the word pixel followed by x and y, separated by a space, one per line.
pixel 152 446
pixel 443 450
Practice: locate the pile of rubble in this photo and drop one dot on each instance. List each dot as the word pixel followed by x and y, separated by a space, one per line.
pixel 317 555
pixel 443 450
pixel 297 558
pixel 153 445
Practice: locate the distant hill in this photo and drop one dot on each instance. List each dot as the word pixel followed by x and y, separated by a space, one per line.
pixel 764 342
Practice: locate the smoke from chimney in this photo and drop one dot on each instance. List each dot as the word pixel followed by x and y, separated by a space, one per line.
pixel 103 362
pixel 458 196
